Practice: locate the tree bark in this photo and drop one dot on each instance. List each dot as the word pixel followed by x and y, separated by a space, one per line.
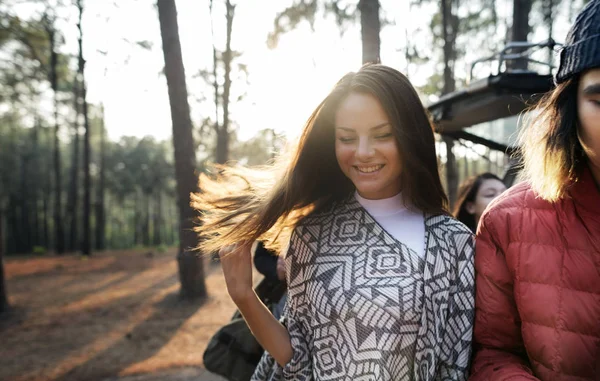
pixel 73 201
pixel 59 243
pixel 137 237
pixel 86 244
pixel 520 30
pixel 35 215
pixel 370 28
pixel 217 126
pixel 191 271
pixel 451 171
pixel 26 237
pixel 100 202
pixel 146 223
pixel 222 150
pixel 157 237
pixel 449 30
pixel 4 306
pixel 548 10
pixel 14 243
pixel 45 212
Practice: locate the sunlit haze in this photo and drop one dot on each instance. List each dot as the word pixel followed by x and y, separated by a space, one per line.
pixel 283 86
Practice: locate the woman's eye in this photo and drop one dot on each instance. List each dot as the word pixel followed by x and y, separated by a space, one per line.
pixel 346 140
pixel 384 136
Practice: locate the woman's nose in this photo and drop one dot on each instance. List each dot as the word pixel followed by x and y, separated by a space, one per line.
pixel 365 149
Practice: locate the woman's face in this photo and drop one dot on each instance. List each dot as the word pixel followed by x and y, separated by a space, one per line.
pixel 588 111
pixel 366 148
pixel 488 190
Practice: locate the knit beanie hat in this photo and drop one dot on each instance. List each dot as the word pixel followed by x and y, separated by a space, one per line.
pixel 582 47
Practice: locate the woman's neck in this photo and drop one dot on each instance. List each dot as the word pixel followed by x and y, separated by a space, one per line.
pixel 384 206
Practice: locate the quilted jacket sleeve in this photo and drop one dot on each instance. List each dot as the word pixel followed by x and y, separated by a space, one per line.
pixel 499 351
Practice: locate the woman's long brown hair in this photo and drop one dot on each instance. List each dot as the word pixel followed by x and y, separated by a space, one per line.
pixel 243 205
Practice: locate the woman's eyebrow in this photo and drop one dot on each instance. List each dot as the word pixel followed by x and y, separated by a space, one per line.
pixel 381 125
pixel 384 124
pixel 592 89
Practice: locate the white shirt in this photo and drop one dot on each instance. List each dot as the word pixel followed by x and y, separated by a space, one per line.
pixel 405 225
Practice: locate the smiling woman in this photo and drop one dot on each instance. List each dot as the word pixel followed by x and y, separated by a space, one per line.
pixel 366 149
pixel 361 210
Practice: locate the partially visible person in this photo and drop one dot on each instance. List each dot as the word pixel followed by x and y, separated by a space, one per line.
pixel 272 266
pixel 474 195
pixel 268 263
pixel 538 248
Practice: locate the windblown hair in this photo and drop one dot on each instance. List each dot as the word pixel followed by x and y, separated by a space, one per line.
pixel 468 193
pixel 243 205
pixel 552 153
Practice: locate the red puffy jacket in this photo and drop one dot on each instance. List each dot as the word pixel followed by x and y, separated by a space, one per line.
pixel 537 309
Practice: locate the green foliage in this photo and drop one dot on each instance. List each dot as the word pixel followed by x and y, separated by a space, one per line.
pixel 434 85
pixel 258 150
pixel 39 250
pixel 287 20
pixel 290 18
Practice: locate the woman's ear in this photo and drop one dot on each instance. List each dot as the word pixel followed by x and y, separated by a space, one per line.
pixel 470 207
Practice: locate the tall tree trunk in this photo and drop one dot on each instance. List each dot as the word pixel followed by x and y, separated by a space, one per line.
pixel 170 218
pixel 191 271
pixel 370 28
pixel 4 306
pixel 449 31
pixel 222 153
pixel 100 202
pixel 137 237
pixel 36 188
pixel 217 126
pixel 46 213
pixel 146 223
pixel 548 10
pixel 451 171
pixel 14 243
pixel 58 221
pixel 27 247
pixel 73 202
pixel 520 30
pixel 86 244
pixel 156 237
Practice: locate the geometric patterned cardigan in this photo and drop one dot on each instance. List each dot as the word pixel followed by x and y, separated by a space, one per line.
pixel 346 244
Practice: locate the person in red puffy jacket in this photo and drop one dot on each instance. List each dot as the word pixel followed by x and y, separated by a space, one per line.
pixel 538 245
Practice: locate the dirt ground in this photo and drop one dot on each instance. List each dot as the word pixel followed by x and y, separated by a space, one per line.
pixel 116 315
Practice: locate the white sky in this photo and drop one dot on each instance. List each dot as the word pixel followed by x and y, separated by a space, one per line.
pixel 285 84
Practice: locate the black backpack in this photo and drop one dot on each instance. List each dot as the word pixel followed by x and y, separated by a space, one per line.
pixel 233 352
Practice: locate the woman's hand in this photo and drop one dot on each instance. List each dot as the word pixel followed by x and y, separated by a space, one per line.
pixel 236 261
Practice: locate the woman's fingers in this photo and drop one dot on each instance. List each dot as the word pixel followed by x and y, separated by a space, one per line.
pixel 237 268
pixel 226 250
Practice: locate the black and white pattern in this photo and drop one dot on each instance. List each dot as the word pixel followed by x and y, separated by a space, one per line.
pixel 363 306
